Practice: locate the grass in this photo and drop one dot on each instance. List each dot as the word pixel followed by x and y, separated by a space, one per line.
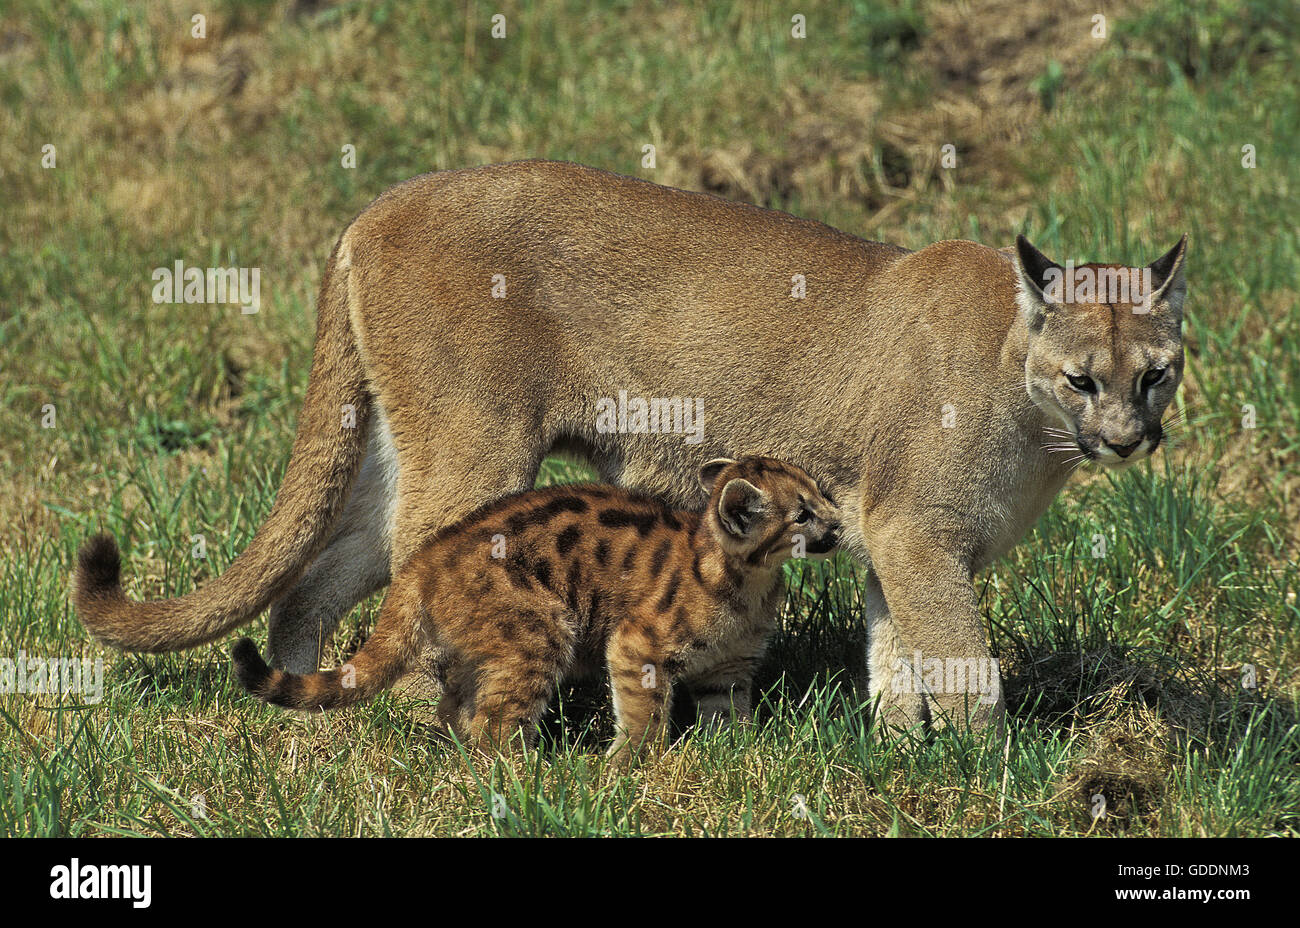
pixel 1148 628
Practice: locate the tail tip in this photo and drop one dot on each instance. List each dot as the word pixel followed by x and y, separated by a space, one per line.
pixel 249 666
pixel 99 567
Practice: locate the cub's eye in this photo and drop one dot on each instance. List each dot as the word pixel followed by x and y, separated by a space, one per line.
pixel 1082 382
pixel 803 516
pixel 1153 377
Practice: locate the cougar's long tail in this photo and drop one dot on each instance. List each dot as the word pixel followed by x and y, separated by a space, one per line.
pixel 386 655
pixel 327 455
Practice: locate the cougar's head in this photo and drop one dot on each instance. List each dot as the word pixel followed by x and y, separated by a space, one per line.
pixel 767 511
pixel 1105 349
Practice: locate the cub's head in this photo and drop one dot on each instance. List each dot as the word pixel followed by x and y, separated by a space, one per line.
pixel 766 511
pixel 1105 349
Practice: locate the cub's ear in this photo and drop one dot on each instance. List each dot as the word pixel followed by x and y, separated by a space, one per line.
pixel 709 472
pixel 740 506
pixel 1038 276
pixel 1167 280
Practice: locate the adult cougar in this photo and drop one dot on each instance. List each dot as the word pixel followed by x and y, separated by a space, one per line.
pixel 471 322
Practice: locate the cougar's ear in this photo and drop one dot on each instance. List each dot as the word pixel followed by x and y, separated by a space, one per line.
pixel 709 472
pixel 1040 280
pixel 740 505
pixel 1167 280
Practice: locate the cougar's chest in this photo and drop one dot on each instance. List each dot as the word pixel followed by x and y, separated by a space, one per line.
pixel 1018 502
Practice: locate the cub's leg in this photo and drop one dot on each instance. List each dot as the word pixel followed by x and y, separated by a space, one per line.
pixel 454 715
pixel 511 697
pixel 724 691
pixel 889 662
pixel 450 710
pixel 642 692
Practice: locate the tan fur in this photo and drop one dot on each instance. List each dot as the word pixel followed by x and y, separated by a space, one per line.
pixel 540 586
pixel 914 384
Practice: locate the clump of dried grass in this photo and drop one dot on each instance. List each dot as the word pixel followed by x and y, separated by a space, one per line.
pixel 1134 712
pixel 1121 777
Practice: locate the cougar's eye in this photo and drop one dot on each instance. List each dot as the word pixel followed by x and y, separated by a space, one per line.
pixel 1082 382
pixel 803 516
pixel 1153 377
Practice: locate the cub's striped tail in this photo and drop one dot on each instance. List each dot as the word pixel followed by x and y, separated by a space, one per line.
pixel 385 656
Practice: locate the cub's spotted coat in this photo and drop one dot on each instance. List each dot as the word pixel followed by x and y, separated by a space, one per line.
pixel 542 585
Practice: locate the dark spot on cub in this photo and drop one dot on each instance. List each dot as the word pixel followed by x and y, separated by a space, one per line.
pixel 544 513
pixel 572 583
pixel 659 557
pixel 670 594
pixel 542 571
pixel 643 522
pixel 565 541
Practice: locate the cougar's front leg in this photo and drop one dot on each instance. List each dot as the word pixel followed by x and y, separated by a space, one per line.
pixel 890 678
pixel 945 657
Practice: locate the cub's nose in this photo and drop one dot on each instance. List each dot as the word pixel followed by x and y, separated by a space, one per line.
pixel 1124 450
pixel 832 536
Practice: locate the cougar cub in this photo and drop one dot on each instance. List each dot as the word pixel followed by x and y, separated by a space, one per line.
pixel 539 586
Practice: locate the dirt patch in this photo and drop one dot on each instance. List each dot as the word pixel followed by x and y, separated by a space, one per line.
pixel 1135 714
pixel 830 148
pixel 998 66
pixel 995 66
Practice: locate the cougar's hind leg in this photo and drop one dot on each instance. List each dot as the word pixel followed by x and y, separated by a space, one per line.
pixel 353 565
pixel 450 477
pixel 444 478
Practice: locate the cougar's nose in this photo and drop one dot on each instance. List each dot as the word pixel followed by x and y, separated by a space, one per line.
pixel 1124 450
